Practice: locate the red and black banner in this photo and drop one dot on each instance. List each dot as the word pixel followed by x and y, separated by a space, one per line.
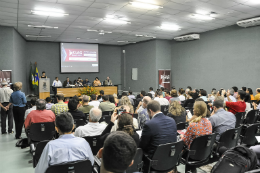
pixel 5 76
pixel 165 79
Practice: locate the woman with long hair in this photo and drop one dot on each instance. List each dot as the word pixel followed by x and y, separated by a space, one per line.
pixel 250 91
pixel 125 101
pixel 125 124
pixel 198 126
pixel 177 112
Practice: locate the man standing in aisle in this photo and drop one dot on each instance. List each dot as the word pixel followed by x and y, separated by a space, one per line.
pixel 5 94
pixel 108 81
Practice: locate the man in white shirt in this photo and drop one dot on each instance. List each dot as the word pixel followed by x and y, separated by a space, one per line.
pixel 94 102
pixel 93 128
pixel 161 100
pixel 57 82
pixel 33 103
pixel 230 94
pixel 5 94
pixel 130 95
pixel 151 91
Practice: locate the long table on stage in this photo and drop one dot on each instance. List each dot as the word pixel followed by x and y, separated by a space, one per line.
pixel 70 92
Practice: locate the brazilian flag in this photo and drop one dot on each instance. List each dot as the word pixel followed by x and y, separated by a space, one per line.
pixel 36 78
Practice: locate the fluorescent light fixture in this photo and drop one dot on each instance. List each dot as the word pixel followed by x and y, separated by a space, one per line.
pixel 145 5
pixel 101 33
pixel 121 41
pixel 149 36
pixel 92 30
pixel 78 38
pixel 202 17
pixel 43 27
pixel 170 27
pixel 116 21
pixel 137 35
pixel 49 13
pixel 126 42
pixel 39 36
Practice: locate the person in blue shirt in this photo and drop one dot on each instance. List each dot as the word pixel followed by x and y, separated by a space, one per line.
pixel 18 100
pixel 67 148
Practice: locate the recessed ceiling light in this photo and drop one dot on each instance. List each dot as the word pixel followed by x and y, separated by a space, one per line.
pixel 138 35
pixel 78 38
pixel 149 36
pixel 49 13
pixel 116 21
pixel 145 5
pixel 202 17
pixel 170 27
pixel 39 36
pixel 43 27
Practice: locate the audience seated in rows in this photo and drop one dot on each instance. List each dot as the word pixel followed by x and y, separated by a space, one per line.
pixel 106 105
pixel 220 119
pixel 124 94
pixel 143 115
pixel 177 112
pixel 248 103
pixel 67 148
pixel 130 95
pixel 230 94
pixel 125 124
pixel 198 126
pixel 168 95
pixel 238 106
pixel 40 115
pixel 73 109
pixel 94 102
pixel 160 129
pixel 174 96
pixel 60 106
pixel 93 128
pixel 48 103
pixel 163 101
pixel 127 110
pixel 33 104
pixel 151 91
pixel 126 101
pixel 101 94
pixel 112 160
pixel 203 95
pixel 181 96
pixel 250 92
pixel 189 100
pixel 85 108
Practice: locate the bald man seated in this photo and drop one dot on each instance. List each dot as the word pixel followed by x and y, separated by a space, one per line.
pixel 93 128
pixel 143 115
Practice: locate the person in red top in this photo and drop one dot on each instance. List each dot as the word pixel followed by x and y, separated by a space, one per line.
pixel 168 95
pixel 40 115
pixel 239 106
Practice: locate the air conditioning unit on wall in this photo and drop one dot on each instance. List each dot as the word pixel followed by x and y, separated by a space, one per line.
pixel 188 37
pixel 249 22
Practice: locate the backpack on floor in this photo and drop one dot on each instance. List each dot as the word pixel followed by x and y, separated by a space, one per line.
pixel 236 160
pixel 23 143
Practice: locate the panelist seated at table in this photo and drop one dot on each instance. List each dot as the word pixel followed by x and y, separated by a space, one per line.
pixel 108 81
pixel 56 82
pixel 67 82
pixel 96 82
pixel 86 82
pixel 78 82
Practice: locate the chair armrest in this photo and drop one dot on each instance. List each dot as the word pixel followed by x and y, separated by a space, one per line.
pixel 97 161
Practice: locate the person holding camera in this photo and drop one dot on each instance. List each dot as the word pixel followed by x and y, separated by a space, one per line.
pixel 124 123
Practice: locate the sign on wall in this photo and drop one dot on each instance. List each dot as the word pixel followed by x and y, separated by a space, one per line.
pixel 6 75
pixel 165 79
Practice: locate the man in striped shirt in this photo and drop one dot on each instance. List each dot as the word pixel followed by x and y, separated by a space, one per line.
pixel 60 106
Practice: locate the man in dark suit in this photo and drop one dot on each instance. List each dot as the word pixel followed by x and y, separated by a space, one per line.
pixel 67 82
pixel 160 129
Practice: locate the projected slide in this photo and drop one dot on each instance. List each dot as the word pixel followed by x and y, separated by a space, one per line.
pixel 79 58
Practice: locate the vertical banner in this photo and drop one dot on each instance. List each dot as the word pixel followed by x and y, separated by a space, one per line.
pixel 165 79
pixel 5 75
